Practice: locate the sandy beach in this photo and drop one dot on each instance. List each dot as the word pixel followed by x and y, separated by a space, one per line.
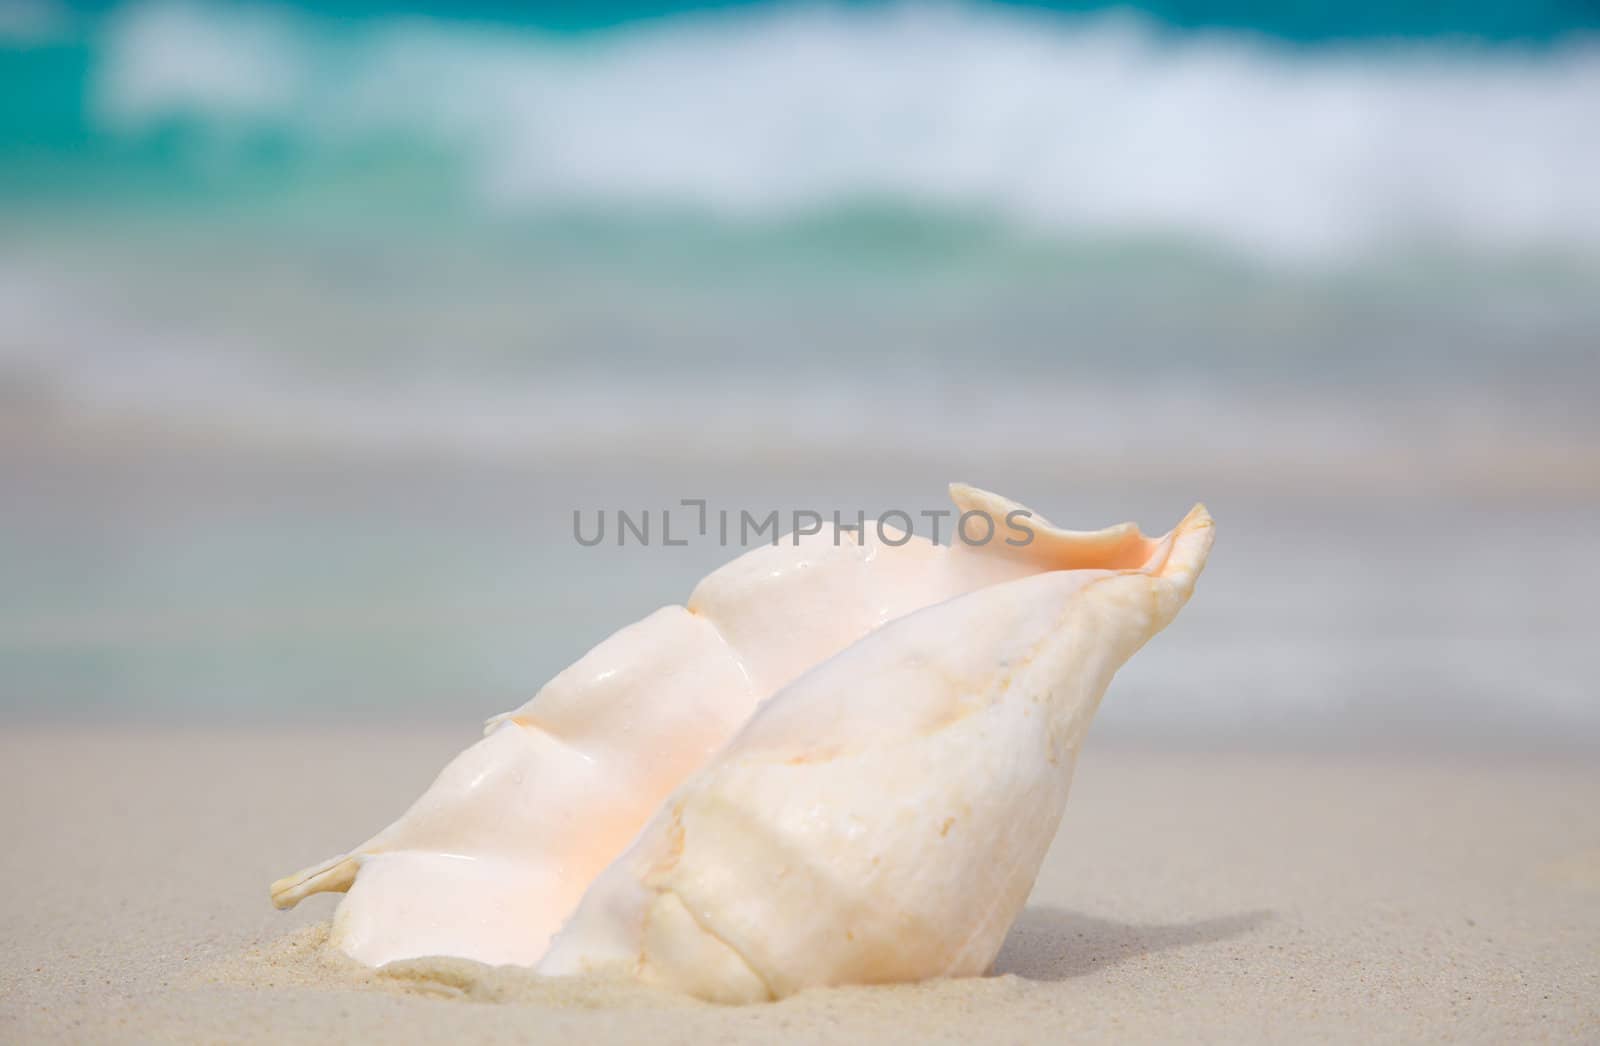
pixel 1189 896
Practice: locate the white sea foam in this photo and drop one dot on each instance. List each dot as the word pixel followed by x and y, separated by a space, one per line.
pixel 1101 127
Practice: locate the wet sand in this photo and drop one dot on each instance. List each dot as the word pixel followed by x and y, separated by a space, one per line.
pixel 1189 896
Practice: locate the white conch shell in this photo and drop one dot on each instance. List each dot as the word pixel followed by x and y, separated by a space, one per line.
pixel 882 819
pixel 491 860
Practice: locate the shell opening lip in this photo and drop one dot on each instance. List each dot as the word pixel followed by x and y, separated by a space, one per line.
pixel 1122 546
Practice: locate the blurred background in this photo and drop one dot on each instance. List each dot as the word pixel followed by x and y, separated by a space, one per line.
pixel 319 321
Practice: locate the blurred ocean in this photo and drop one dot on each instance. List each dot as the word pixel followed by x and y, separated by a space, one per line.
pixel 317 322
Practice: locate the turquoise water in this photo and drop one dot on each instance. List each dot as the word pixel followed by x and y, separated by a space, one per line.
pixel 317 321
pixel 1297 132
pixel 253 591
pixel 300 198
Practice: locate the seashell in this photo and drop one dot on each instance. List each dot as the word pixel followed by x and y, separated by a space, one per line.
pixel 882 818
pixel 498 852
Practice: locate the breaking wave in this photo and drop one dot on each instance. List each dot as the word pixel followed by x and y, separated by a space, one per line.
pixel 1057 126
